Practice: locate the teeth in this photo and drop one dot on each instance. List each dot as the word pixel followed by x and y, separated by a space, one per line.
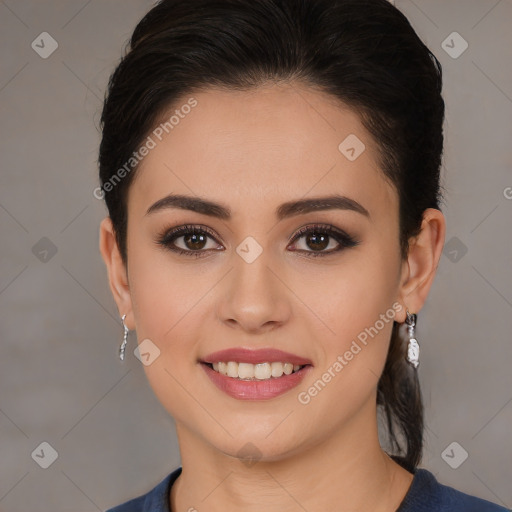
pixel 232 369
pixel 245 370
pixel 260 371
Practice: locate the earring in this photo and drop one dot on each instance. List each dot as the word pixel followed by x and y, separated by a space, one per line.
pixel 413 349
pixel 125 339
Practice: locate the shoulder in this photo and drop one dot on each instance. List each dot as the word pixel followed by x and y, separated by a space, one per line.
pixel 427 494
pixel 156 500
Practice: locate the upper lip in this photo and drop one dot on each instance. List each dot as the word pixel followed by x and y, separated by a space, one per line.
pixel 262 355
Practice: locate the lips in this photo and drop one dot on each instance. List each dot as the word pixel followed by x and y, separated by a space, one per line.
pixel 253 389
pixel 264 355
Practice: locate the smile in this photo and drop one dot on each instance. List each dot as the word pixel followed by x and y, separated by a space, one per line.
pixel 250 374
pixel 261 371
pixel 255 388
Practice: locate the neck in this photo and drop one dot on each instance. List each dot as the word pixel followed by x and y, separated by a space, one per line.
pixel 347 471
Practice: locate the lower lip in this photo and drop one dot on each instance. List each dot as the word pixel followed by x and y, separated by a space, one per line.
pixel 256 389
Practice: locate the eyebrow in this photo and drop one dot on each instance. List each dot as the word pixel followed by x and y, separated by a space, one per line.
pixel 285 210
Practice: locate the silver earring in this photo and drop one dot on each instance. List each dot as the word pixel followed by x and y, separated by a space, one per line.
pixel 125 339
pixel 413 349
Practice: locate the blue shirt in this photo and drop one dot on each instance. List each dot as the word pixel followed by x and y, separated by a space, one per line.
pixel 425 494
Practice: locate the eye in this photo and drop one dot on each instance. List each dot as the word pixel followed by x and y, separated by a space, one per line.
pixel 318 238
pixel 194 240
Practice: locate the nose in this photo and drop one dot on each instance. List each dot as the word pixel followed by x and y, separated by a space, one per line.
pixel 254 297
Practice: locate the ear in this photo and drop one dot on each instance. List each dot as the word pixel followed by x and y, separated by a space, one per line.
pixel 117 272
pixel 419 269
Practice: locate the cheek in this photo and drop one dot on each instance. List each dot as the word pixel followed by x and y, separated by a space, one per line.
pixel 163 290
pixel 349 297
pixel 358 310
pixel 167 303
pixel 355 304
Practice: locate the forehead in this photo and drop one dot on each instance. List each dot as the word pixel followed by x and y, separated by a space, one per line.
pixel 264 145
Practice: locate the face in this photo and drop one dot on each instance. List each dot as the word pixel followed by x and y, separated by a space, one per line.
pixel 252 279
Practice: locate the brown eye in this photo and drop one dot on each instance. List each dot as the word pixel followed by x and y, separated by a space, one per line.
pixel 317 241
pixel 318 238
pixel 194 240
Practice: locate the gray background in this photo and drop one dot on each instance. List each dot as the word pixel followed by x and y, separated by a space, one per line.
pixel 60 378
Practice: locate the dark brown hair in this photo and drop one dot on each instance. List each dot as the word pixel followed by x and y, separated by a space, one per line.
pixel 362 52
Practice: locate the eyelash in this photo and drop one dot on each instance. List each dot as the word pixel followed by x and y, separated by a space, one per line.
pixel 168 236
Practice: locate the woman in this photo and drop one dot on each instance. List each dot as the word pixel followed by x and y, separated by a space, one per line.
pixel 271 172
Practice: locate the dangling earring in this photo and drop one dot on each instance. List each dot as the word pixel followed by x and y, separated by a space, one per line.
pixel 413 349
pixel 125 339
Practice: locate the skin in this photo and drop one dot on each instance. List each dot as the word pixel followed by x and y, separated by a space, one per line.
pixel 253 151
